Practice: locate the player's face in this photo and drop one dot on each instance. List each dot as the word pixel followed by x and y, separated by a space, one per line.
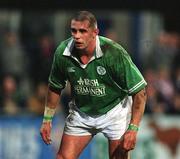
pixel 84 36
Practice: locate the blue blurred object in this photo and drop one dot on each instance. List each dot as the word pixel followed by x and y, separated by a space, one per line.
pixel 20 138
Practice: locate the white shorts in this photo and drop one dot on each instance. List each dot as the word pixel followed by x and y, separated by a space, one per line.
pixel 113 124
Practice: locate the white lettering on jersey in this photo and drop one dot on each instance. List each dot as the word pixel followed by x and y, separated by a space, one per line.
pixel 90 87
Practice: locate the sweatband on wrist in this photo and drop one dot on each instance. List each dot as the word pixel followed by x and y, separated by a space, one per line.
pixel 48 114
pixel 133 127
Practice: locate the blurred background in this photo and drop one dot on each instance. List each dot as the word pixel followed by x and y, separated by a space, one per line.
pixel 30 31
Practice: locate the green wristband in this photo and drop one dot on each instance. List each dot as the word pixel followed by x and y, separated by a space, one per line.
pixel 133 127
pixel 47 118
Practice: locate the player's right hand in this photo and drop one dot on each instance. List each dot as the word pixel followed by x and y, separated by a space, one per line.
pixel 45 132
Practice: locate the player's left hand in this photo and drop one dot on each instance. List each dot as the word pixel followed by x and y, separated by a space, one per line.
pixel 129 140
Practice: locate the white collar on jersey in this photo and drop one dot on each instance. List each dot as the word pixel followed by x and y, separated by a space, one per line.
pixel 68 49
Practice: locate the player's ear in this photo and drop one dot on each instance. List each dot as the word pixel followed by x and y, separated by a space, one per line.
pixel 96 31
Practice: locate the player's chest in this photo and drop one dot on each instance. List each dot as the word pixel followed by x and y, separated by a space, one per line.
pixel 93 73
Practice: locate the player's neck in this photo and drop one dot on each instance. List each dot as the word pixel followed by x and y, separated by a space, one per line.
pixel 86 54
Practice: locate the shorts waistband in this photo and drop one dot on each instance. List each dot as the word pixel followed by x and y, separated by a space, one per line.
pixel 74 108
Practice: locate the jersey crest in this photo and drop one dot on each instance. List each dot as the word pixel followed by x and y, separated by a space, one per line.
pixel 101 70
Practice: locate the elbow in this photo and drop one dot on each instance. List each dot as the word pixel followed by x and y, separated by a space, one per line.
pixel 140 97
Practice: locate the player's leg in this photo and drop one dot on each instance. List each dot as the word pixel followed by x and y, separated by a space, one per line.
pixel 117 121
pixel 72 146
pixel 116 151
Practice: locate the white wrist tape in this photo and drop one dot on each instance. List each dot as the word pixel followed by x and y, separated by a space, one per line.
pixel 48 114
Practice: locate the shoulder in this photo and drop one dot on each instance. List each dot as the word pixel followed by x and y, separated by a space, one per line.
pixel 59 59
pixel 111 48
pixel 61 47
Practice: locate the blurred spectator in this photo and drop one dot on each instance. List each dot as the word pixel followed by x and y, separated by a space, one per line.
pixel 35 103
pixel 12 99
pixel 152 93
pixel 13 60
pixel 46 50
pixel 40 58
pixel 176 78
pixel 164 62
pixel 164 50
pixel 36 30
pixel 164 84
pixel 175 109
pixel 175 69
pixel 158 88
pixel 12 56
pixel 111 33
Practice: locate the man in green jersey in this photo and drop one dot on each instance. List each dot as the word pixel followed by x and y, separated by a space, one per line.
pixel 108 91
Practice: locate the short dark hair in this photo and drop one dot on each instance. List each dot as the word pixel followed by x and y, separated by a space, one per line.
pixel 86 15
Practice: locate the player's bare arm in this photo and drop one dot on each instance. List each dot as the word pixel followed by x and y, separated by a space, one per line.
pixel 139 100
pixel 51 103
pixel 138 107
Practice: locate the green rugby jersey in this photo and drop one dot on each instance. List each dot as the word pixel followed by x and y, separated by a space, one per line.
pixel 101 84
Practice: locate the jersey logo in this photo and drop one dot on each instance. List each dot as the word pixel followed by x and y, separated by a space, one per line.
pixel 90 87
pixel 101 70
pixel 71 69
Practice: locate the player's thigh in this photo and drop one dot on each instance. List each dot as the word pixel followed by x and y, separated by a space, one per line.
pixel 116 151
pixel 71 146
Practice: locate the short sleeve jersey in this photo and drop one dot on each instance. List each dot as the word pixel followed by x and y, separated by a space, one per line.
pixel 101 84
